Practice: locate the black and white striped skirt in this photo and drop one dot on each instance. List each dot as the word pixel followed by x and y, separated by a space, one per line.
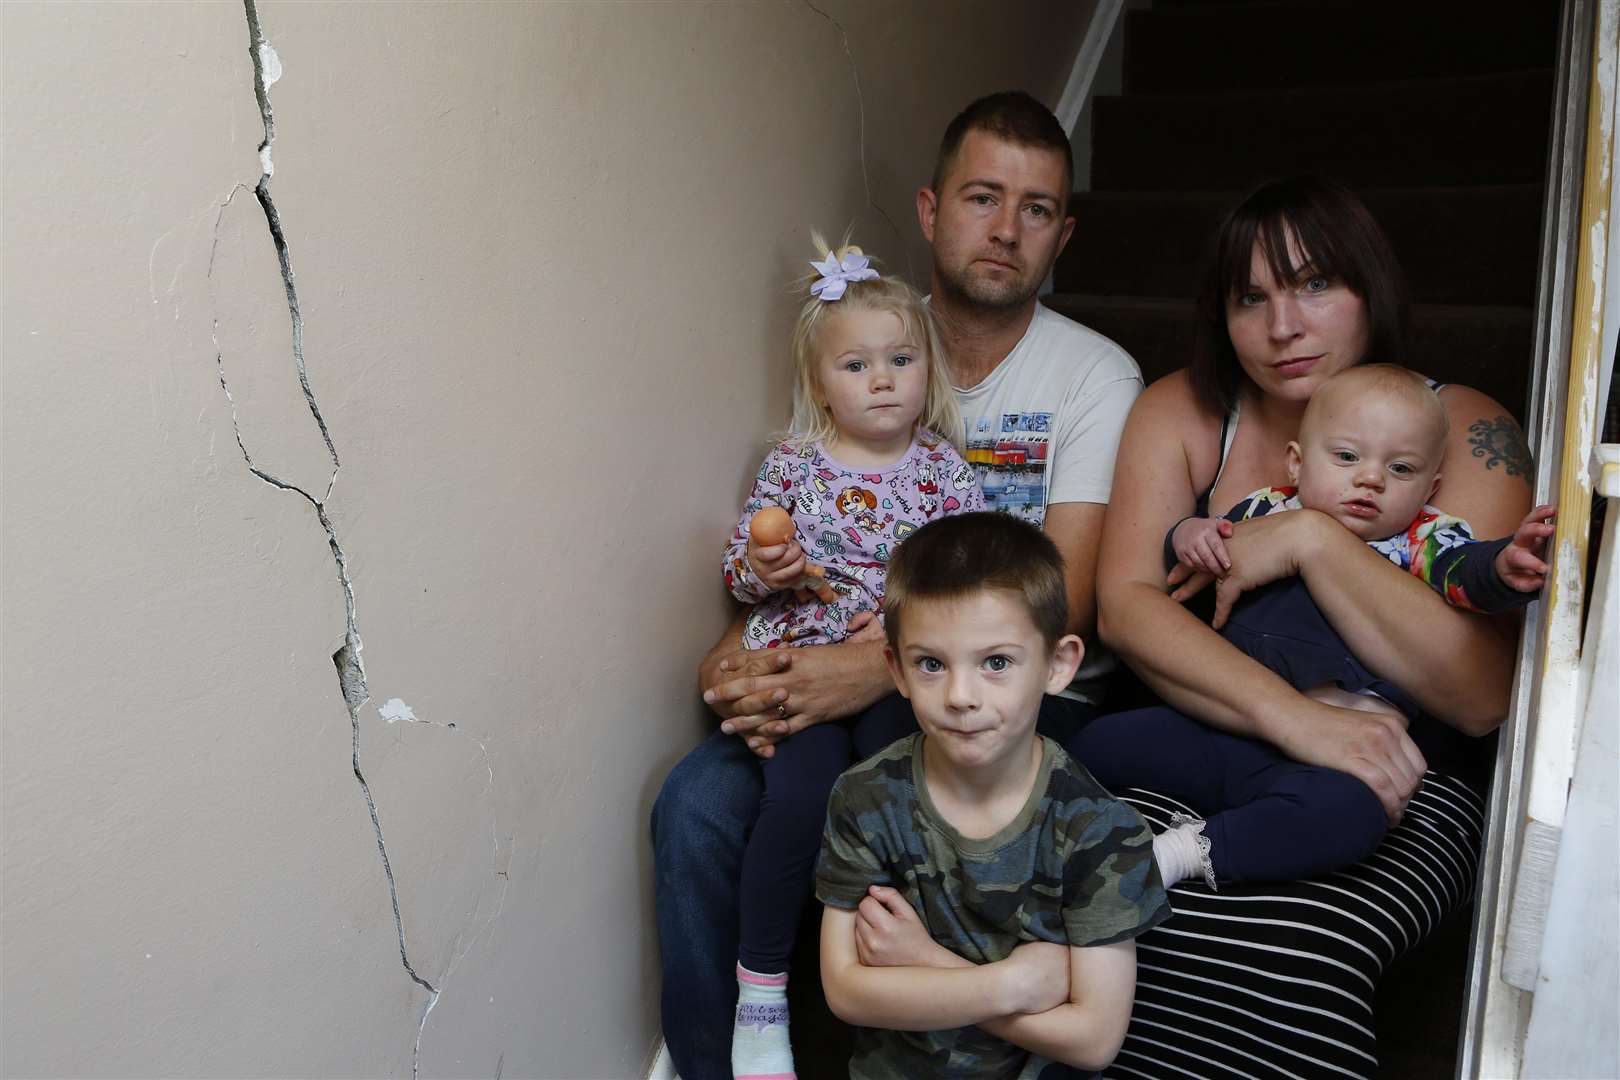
pixel 1276 980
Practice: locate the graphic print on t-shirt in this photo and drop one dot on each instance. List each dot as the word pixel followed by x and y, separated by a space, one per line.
pixel 1011 462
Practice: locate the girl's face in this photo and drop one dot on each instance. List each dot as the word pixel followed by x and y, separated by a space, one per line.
pixel 1292 336
pixel 872 377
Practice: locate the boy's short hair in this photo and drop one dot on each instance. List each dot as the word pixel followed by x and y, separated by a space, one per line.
pixel 954 557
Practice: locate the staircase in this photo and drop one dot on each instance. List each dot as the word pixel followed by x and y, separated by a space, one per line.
pixel 1436 114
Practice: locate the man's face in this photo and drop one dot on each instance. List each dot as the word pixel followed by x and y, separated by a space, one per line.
pixel 974 670
pixel 997 223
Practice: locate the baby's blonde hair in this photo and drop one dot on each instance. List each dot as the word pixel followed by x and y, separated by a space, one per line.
pixel 1389 379
pixel 812 422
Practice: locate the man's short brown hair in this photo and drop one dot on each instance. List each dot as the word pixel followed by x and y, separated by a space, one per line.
pixel 955 557
pixel 1012 115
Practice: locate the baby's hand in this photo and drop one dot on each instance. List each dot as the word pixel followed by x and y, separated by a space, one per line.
pixel 1201 544
pixel 779 566
pixel 1519 564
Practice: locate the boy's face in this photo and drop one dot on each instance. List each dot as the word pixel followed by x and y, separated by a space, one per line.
pixel 1369 460
pixel 974 670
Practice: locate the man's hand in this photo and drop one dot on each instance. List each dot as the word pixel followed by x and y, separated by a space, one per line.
pixel 765 695
pixel 1371 746
pixel 1519 564
pixel 889 933
pixel 1200 543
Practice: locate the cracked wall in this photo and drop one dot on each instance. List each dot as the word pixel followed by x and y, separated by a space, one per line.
pixel 526 241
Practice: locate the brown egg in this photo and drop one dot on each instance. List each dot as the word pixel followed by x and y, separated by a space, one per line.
pixel 771 526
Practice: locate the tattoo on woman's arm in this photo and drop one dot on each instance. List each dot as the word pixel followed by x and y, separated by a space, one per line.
pixel 1500 442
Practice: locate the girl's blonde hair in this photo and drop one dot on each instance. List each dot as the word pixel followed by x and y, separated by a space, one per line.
pixel 812 422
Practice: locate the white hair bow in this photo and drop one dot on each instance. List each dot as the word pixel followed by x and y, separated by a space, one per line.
pixel 836 274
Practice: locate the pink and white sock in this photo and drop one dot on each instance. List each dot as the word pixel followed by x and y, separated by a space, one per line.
pixel 759 1041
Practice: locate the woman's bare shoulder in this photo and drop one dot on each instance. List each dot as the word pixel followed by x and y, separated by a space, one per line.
pixel 1169 413
pixel 1487 472
pixel 1171 400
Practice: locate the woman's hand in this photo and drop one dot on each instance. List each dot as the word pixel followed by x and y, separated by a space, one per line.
pixel 1260 551
pixel 1371 746
pixel 888 933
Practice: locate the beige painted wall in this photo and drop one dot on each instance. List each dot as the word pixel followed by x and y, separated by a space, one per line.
pixel 541 252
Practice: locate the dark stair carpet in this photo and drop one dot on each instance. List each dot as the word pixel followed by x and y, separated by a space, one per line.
pixel 1437 114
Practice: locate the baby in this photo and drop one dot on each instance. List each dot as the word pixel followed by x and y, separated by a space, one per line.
pixel 1368 455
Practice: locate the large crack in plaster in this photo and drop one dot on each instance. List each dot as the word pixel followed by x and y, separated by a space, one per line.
pixel 350 668
pixel 394 711
pixel 860 102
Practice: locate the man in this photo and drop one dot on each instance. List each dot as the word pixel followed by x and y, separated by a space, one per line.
pixel 1044 401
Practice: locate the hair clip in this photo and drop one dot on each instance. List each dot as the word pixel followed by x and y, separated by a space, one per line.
pixel 836 274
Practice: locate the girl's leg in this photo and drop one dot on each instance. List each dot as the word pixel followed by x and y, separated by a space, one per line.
pixel 776 884
pixel 881 724
pixel 777 867
pixel 1268 818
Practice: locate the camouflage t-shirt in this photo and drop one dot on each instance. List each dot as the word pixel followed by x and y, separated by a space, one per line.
pixel 1075 867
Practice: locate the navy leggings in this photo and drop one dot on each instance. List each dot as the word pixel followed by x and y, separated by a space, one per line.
pixel 778 866
pixel 1269 818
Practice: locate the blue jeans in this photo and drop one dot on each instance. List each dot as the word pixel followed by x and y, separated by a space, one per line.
pixel 700 827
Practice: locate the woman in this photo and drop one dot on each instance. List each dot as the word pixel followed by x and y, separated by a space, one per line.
pixel 1303 285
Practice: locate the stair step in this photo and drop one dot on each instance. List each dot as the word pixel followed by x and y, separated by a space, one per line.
pixel 1184 49
pixel 1427 133
pixel 1475 245
pixel 1485 347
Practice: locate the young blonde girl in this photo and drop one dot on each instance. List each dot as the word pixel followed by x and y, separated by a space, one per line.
pixel 870 458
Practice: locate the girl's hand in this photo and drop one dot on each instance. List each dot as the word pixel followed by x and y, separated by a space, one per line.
pixel 888 933
pixel 864 626
pixel 1200 543
pixel 1519 564
pixel 778 566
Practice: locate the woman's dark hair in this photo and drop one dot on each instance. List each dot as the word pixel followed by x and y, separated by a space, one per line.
pixel 1337 237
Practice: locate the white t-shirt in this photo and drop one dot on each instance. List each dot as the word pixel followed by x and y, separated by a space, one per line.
pixel 1044 427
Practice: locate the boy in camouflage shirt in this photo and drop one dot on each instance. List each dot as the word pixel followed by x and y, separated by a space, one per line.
pixel 982 891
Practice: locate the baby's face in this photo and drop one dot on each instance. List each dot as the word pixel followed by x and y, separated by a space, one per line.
pixel 1369 461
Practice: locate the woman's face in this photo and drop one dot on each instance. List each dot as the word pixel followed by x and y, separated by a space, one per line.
pixel 1292 336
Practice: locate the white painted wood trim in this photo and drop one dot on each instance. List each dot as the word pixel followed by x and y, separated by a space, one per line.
pixel 1086 60
pixel 662 1067
pixel 1572 1030
pixel 1497 1011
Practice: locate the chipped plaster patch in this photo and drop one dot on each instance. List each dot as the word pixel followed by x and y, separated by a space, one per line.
pixel 395 710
